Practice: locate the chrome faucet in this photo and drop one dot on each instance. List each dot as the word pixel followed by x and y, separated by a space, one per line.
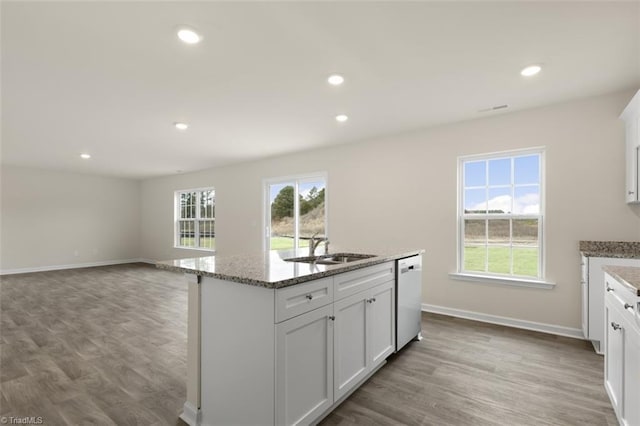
pixel 314 242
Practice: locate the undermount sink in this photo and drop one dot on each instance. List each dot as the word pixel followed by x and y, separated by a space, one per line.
pixel 331 259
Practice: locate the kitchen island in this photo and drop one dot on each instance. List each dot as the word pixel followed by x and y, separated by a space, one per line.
pixel 272 341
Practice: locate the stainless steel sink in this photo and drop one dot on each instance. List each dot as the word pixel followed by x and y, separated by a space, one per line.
pixel 331 259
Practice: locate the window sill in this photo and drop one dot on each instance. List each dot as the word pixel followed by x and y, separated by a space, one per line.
pixel 517 282
pixel 195 248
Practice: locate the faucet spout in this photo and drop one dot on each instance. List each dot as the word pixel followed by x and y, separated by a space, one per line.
pixel 314 242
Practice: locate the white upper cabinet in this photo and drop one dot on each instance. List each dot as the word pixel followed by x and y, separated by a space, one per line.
pixel 631 117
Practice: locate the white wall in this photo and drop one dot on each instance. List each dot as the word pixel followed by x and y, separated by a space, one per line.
pixel 401 191
pixel 51 219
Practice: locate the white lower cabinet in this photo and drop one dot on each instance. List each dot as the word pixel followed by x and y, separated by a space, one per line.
pixel 382 313
pixel 304 367
pixel 593 290
pixel 364 335
pixel 288 356
pixel 622 352
pixel 350 338
pixel 324 354
pixel 631 391
pixel 614 359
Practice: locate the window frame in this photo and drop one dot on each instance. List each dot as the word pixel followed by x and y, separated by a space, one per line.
pixel 196 220
pixel 493 277
pixel 266 205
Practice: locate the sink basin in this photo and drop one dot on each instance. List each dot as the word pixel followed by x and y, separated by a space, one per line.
pixel 331 259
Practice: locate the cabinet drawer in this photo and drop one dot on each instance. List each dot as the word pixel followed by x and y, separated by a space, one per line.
pixel 621 293
pixel 621 298
pixel 301 298
pixel 362 279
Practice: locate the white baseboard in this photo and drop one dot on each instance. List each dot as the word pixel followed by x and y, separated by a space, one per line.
pixel 72 266
pixel 190 414
pixel 575 333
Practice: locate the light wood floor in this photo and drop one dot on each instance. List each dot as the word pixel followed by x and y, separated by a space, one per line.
pixel 470 373
pixel 94 346
pixel 108 346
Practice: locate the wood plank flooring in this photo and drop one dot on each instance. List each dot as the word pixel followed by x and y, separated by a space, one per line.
pixel 107 346
pixel 470 373
pixel 97 346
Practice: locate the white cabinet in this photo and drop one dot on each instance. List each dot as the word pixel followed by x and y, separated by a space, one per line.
pixel 584 290
pixel 631 116
pixel 304 366
pixel 622 351
pixel 364 335
pixel 326 348
pixel 382 331
pixel 350 342
pixel 614 360
pixel 631 391
pixel 593 289
pixel 301 298
pixel 288 356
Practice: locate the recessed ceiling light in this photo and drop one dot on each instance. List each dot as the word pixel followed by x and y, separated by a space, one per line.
pixel 85 156
pixel 341 118
pixel 189 35
pixel 181 126
pixel 531 70
pixel 335 79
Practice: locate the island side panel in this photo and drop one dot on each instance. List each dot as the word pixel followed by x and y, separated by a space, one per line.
pixel 237 353
pixel 191 406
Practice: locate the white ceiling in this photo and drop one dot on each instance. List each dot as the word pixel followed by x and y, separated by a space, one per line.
pixel 110 78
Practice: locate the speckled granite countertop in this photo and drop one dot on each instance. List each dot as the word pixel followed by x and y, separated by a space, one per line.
pixel 270 270
pixel 628 276
pixel 618 249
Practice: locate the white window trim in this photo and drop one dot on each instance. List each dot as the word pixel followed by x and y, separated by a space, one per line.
pixel 503 280
pixel 266 208
pixel 484 278
pixel 176 218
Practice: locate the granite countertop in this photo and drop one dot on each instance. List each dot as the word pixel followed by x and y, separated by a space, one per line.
pixel 617 249
pixel 628 276
pixel 270 270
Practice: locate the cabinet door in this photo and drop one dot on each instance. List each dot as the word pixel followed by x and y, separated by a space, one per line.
pixel 584 284
pixel 632 141
pixel 350 342
pixel 382 333
pixel 631 391
pixel 614 355
pixel 304 367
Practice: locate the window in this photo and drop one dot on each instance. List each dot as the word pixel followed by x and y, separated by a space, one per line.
pixel 501 215
pixel 195 218
pixel 295 211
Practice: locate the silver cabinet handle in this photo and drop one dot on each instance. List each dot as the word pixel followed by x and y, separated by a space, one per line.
pixel 332 317
pixel 615 326
pixel 609 288
pixel 630 192
pixel 628 306
pixel 373 299
pixel 309 296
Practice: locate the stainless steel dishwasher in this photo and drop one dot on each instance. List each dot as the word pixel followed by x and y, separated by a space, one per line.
pixel 408 300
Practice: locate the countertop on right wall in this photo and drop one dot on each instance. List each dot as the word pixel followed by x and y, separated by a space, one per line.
pixel 628 276
pixel 619 249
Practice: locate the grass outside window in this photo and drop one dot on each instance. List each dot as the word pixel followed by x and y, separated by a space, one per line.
pixel 525 260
